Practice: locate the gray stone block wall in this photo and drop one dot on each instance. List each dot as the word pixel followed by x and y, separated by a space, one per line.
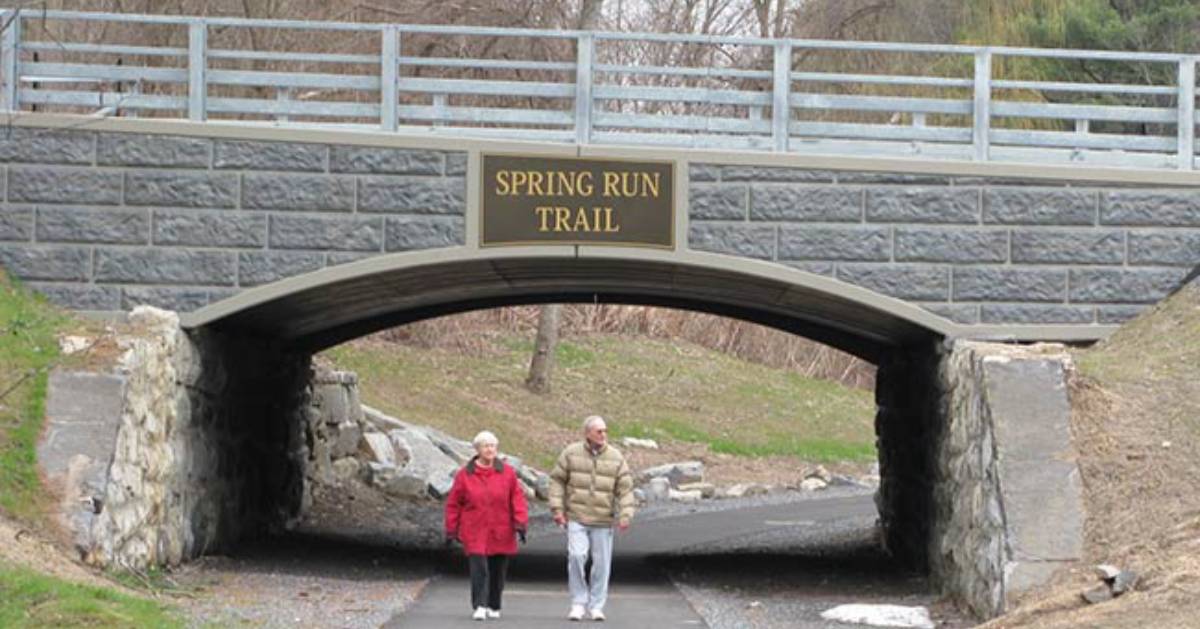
pixel 108 220
pixel 972 250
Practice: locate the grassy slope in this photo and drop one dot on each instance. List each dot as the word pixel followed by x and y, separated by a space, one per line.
pixel 28 347
pixel 646 388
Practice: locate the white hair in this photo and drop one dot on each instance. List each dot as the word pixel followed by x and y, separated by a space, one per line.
pixel 484 438
pixel 591 420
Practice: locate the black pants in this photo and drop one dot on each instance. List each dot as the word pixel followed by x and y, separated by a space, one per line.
pixel 487 580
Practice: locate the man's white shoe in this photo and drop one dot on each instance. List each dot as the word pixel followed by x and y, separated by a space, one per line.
pixel 480 613
pixel 596 614
pixel 493 613
pixel 576 613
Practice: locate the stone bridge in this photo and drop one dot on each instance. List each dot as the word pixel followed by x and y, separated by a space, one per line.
pixel 107 215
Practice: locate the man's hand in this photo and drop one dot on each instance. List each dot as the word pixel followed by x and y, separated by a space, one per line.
pixel 560 519
pixel 623 525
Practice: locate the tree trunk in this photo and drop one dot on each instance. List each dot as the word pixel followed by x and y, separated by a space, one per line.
pixel 543 349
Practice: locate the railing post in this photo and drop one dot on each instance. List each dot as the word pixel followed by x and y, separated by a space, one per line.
pixel 389 78
pixel 781 110
pixel 197 70
pixel 10 42
pixel 1186 103
pixel 583 88
pixel 983 104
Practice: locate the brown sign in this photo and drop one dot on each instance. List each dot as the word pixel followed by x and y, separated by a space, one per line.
pixel 560 200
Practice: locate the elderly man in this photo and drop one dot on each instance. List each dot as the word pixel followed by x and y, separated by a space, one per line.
pixel 591 489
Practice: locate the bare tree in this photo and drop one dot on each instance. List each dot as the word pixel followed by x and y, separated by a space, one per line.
pixel 542 362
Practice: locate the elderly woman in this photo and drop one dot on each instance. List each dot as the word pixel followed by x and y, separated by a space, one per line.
pixel 486 511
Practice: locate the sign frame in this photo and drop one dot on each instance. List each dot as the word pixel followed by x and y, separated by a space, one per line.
pixel 669 192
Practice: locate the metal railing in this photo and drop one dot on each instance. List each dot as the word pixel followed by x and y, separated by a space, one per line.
pixel 786 95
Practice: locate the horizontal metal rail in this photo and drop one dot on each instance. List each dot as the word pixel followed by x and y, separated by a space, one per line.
pixel 648 89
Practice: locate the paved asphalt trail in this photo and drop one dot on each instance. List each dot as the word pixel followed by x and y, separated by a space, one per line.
pixel 640 596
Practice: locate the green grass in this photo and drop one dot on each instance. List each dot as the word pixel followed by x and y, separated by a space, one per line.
pixel 29 599
pixel 27 348
pixel 649 388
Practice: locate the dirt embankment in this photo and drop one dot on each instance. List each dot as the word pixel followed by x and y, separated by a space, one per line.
pixel 1136 427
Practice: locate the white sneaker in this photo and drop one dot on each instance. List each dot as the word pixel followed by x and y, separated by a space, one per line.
pixel 576 613
pixel 596 614
pixel 493 613
pixel 480 613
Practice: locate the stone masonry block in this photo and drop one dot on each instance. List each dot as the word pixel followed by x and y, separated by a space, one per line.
pixel 1116 315
pixel 704 172
pixel 109 226
pixel 1128 286
pixel 269 155
pixel 210 229
pixel 335 258
pixel 1085 246
pixel 1150 208
pixel 865 244
pixel 177 299
pixel 750 241
pixel 47 184
pixel 1021 206
pixel 45 262
pixel 923 205
pixel 892 178
pixel 456 164
pixel 1044 314
pixel 45 146
pixel 312 193
pixel 951 245
pixel 165 266
pixel 16 223
pixel 327 232
pixel 818 268
pixel 264 267
pixel 369 159
pixel 181 189
pixel 412 233
pixel 805 203
pixel 769 173
pixel 160 151
pixel 405 195
pixel 1164 247
pixel 1009 284
pixel 958 313
pixel 717 202
pixel 80 296
pixel 900 281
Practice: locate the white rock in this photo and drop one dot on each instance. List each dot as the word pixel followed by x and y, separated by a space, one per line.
pixel 821 473
pixel 881 615
pixel 812 484
pixel 657 489
pixel 745 489
pixel 1107 571
pixel 684 496
pixel 678 473
pixel 72 344
pixel 634 442
pixel 379 448
pixel 345 469
pixel 403 451
pixel 707 490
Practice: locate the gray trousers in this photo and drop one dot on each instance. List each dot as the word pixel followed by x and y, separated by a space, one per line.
pixel 597 541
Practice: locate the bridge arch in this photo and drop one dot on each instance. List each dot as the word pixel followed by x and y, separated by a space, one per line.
pixel 317 310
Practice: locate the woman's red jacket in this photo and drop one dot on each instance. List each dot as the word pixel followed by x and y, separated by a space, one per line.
pixel 485 509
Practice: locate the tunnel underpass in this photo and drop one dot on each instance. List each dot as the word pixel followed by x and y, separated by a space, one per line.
pixel 245 366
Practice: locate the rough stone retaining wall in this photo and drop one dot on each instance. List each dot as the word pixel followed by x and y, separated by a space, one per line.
pixel 979 481
pixel 208 448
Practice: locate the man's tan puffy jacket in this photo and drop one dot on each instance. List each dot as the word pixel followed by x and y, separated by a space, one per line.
pixel 592 489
